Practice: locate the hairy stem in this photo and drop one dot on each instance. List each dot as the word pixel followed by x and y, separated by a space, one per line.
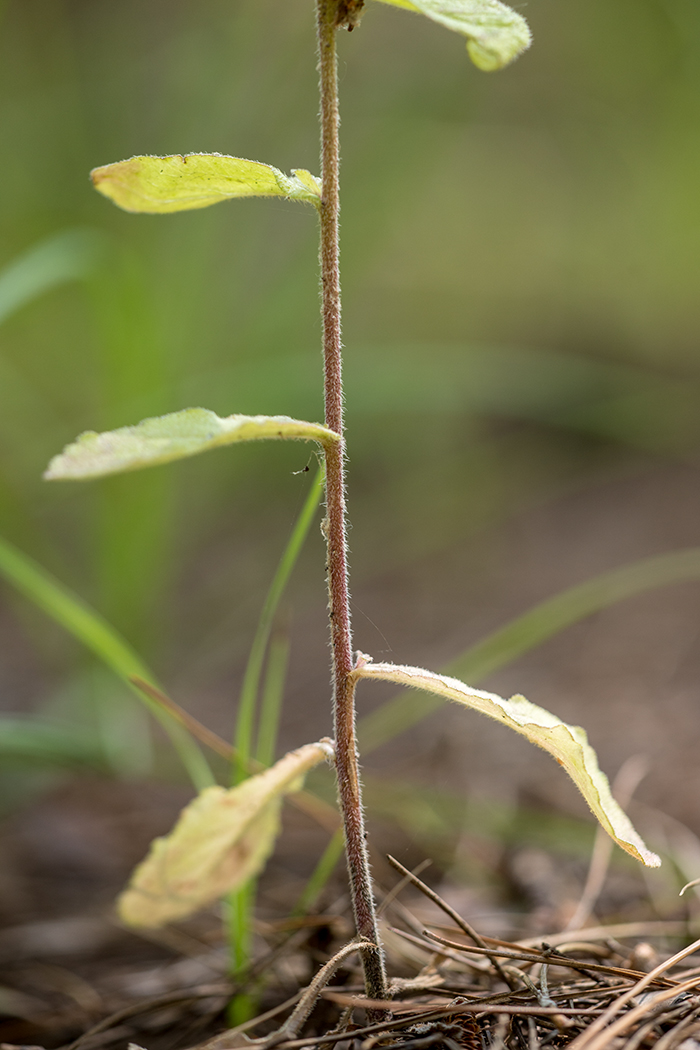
pixel 349 789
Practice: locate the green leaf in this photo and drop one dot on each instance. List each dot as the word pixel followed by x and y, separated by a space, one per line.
pixel 495 33
pixel 175 436
pixel 196 180
pixel 222 839
pixel 568 744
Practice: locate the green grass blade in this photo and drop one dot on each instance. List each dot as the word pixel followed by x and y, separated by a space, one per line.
pixel 271 701
pixel 553 615
pixel 67 256
pixel 321 873
pixel 528 631
pixel 239 908
pixel 241 902
pixel 76 616
pixel 251 679
pixel 30 741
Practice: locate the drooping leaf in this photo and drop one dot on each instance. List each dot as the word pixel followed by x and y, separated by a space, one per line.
pixel 175 436
pixel 196 180
pixel 568 744
pixel 221 840
pixel 531 629
pixel 495 33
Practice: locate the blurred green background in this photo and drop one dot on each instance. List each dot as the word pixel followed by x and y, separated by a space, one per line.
pixel 520 259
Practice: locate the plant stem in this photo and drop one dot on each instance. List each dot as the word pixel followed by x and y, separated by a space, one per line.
pixel 349 789
pixel 271 700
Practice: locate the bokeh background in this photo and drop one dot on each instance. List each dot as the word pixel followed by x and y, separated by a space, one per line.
pixel 520 256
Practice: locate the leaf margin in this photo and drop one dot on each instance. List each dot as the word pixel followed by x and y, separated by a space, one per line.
pixel 94 455
pixel 135 185
pixel 151 899
pixel 489 50
pixel 575 755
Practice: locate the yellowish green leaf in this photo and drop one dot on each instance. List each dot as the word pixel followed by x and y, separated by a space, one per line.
pixel 196 180
pixel 568 744
pixel 222 839
pixel 175 436
pixel 495 33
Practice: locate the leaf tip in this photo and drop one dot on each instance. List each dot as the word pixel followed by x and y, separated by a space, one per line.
pixel 566 743
pixel 496 34
pixel 114 181
pixel 491 51
pixel 62 466
pixel 646 856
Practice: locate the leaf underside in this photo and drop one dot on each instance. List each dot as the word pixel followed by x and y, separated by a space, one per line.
pixel 568 744
pixel 163 439
pixel 495 33
pixel 221 839
pixel 179 183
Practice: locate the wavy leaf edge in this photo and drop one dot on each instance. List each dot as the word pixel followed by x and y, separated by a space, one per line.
pixel 566 743
pixel 496 34
pixel 221 839
pixel 165 439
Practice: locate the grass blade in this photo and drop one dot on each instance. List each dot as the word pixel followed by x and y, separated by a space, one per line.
pixel 321 873
pixel 240 902
pixel 528 631
pixel 76 616
pixel 251 679
pixel 271 701
pixel 66 256
pixel 48 744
